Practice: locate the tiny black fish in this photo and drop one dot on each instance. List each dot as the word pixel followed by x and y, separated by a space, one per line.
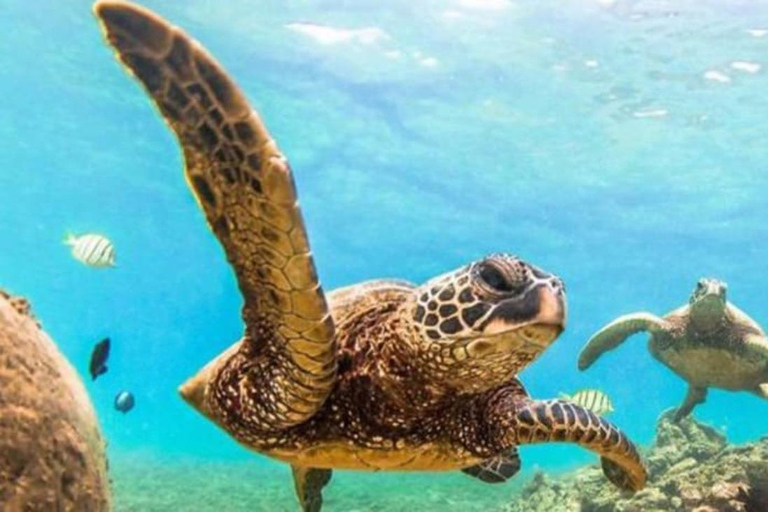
pixel 124 401
pixel 99 357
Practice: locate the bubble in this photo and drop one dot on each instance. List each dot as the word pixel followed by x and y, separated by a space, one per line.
pixel 652 112
pixel 717 76
pixel 745 66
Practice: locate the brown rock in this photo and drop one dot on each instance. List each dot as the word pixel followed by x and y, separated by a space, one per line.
pixel 730 497
pixel 728 491
pixel 691 496
pixel 51 451
pixel 693 468
pixel 683 466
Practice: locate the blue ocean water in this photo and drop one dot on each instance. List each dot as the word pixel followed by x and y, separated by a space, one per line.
pixel 620 144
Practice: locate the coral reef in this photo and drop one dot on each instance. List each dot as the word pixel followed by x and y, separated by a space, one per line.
pixel 51 450
pixel 692 469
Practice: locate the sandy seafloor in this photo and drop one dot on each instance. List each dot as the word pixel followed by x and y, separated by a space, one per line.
pixel 144 484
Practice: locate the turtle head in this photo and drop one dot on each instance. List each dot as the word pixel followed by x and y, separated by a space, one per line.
pixel 708 300
pixel 486 321
pixel 709 290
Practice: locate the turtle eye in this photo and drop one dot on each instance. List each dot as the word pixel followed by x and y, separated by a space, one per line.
pixel 494 278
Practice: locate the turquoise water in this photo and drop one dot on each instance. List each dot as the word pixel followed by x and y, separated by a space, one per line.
pixel 619 144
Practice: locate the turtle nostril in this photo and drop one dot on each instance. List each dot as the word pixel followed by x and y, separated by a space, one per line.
pixel 557 285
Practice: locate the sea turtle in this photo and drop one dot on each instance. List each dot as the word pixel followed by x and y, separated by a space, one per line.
pixel 383 375
pixel 709 343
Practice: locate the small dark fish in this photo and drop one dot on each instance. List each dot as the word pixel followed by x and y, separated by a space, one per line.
pixel 99 357
pixel 124 401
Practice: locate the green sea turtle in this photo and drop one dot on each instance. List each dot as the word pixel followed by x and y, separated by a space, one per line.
pixel 709 343
pixel 382 375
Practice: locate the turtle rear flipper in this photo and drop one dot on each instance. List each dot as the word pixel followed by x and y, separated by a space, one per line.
pixel 616 333
pixel 497 469
pixel 762 390
pixel 615 473
pixel 558 421
pixel 309 483
pixel 245 187
pixel 694 397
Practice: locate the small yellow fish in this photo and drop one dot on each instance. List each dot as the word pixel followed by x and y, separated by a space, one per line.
pixel 592 399
pixel 92 250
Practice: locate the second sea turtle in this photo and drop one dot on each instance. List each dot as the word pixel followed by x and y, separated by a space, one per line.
pixel 709 343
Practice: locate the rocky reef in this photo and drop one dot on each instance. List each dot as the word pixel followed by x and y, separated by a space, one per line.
pixel 51 450
pixel 692 468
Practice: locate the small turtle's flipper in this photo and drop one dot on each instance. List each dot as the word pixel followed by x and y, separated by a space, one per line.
pixel 309 483
pixel 762 391
pixel 554 420
pixel 245 187
pixel 497 469
pixel 615 333
pixel 694 397
pixel 756 346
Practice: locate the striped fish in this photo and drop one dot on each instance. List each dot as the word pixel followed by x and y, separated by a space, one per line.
pixel 92 250
pixel 592 399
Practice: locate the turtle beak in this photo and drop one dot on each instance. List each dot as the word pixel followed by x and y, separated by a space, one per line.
pixel 553 306
pixel 545 328
pixel 540 317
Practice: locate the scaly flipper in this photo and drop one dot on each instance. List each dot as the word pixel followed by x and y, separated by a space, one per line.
pixel 762 391
pixel 756 347
pixel 542 421
pixel 309 483
pixel 694 397
pixel 615 333
pixel 245 187
pixel 497 469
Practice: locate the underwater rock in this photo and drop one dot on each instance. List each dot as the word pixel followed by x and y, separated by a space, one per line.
pixel 544 494
pixel 51 451
pixel 691 469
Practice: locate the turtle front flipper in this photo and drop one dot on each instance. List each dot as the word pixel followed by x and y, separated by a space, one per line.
pixel 497 469
pixel 548 421
pixel 615 333
pixel 694 397
pixel 309 483
pixel 762 390
pixel 245 187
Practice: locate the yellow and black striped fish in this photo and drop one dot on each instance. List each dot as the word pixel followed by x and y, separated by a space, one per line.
pixel 92 250
pixel 592 399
